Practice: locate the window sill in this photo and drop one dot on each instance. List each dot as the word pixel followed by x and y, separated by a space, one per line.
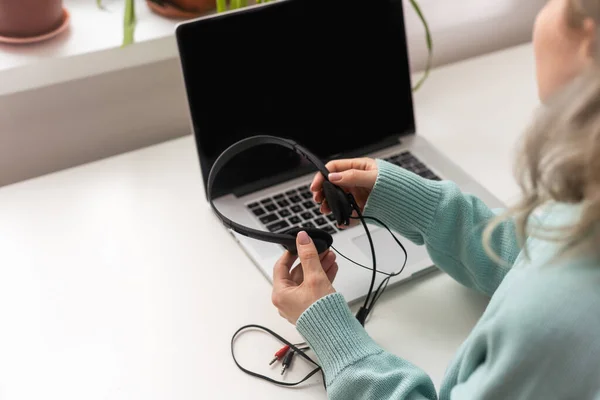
pixel 91 46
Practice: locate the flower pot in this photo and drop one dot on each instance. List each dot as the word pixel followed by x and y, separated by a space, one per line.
pixel 181 8
pixel 200 6
pixel 30 18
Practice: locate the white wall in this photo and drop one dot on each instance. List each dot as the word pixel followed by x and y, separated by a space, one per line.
pixel 467 28
pixel 91 119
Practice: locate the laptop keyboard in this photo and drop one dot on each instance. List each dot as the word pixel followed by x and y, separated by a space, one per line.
pixel 295 207
pixel 408 161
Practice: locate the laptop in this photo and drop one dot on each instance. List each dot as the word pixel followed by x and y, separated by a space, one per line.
pixel 332 75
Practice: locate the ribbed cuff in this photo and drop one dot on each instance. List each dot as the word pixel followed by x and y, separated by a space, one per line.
pixel 404 201
pixel 335 335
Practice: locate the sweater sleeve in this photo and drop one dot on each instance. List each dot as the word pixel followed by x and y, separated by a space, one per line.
pixel 355 367
pixel 448 222
pixel 540 344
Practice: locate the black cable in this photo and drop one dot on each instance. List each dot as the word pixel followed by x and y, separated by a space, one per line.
pixel 362 314
pixel 294 348
pixel 383 285
pixel 364 310
pixel 358 264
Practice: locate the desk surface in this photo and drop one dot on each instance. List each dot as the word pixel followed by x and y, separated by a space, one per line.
pixel 116 282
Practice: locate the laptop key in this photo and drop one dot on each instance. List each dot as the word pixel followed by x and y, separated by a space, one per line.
pixel 331 217
pixel 258 211
pixel 295 220
pixel 320 221
pixel 291 192
pixel 283 203
pixel 277 226
pixel 253 205
pixel 296 209
pixel 394 159
pixel 307 215
pixel 317 212
pixel 267 219
pixel 295 199
pixel 306 195
pixel 271 207
pixel 309 205
pixel 308 225
pixel 284 213
pixel 265 201
pixel 278 197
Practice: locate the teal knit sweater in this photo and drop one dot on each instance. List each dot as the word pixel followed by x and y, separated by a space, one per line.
pixel 539 338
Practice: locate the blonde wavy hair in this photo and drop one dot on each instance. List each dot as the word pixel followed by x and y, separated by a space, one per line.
pixel 559 156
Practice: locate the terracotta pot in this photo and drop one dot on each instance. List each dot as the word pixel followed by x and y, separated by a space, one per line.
pixel 199 6
pixel 26 18
pixel 181 8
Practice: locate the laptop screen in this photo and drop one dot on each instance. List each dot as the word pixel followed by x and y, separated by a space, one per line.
pixel 331 74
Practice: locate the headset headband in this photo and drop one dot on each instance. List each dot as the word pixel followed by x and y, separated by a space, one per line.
pixel 288 240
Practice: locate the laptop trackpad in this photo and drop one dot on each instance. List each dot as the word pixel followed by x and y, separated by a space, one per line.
pixel 389 255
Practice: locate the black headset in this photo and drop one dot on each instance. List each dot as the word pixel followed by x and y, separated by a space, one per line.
pixel 341 203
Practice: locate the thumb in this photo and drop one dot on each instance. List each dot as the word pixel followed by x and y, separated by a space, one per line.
pixel 354 178
pixel 311 263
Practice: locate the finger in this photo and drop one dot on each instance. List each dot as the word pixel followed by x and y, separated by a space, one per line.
pixel 318 197
pixel 311 262
pixel 354 178
pixel 325 208
pixel 281 271
pixel 348 163
pixel 317 183
pixel 325 254
pixel 337 166
pixel 332 272
pixel 328 261
pixel 297 274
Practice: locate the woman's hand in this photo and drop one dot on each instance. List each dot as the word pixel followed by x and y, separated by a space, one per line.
pixel 294 290
pixel 356 176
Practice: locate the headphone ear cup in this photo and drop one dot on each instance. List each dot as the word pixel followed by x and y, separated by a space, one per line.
pixel 320 238
pixel 338 203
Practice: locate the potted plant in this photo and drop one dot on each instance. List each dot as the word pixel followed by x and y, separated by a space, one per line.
pixel 428 42
pixel 27 21
pixel 180 9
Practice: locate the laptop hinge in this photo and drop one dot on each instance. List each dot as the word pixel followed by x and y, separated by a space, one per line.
pixel 261 184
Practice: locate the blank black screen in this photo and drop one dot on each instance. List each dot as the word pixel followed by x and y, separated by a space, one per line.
pixel 331 74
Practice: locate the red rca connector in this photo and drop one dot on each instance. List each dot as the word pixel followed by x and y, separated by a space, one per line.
pixel 280 354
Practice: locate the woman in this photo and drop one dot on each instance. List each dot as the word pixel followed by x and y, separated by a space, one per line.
pixel 540 262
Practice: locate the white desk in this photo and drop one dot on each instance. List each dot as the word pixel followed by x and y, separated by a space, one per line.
pixel 116 281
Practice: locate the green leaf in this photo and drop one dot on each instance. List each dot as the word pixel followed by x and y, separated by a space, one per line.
pixel 221 5
pixel 129 22
pixel 100 5
pixel 428 40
